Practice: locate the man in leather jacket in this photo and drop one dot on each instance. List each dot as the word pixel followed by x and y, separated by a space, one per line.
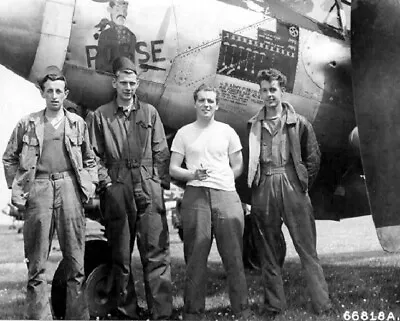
pixel 284 160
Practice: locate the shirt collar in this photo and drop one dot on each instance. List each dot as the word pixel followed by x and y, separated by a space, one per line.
pixel 287 112
pixel 262 114
pixel 134 106
pixel 127 108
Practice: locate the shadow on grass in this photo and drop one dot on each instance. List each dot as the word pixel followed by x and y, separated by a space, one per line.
pixel 14 310
pixel 368 281
pixel 12 300
pixel 362 281
pixel 353 287
pixel 359 286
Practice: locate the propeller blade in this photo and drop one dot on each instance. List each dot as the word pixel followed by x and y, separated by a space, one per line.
pixel 375 49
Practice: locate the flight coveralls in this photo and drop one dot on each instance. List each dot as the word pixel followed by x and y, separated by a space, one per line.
pixel 283 163
pixel 133 154
pixel 52 201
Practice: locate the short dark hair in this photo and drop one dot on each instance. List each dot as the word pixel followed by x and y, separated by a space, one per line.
pixel 205 87
pixel 124 71
pixel 123 64
pixel 270 75
pixel 52 77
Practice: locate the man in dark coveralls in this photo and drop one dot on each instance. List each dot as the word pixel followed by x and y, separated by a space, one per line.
pixel 51 168
pixel 129 140
pixel 284 160
pixel 116 40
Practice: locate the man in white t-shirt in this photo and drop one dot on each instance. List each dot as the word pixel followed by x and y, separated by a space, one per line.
pixel 210 205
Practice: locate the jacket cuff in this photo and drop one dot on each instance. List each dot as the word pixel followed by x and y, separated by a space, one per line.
pixel 103 183
pixel 165 184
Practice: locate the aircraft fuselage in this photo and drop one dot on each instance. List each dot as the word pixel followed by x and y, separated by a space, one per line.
pixel 181 44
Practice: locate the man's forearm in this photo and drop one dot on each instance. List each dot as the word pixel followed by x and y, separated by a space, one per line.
pixel 182 174
pixel 10 171
pixel 237 170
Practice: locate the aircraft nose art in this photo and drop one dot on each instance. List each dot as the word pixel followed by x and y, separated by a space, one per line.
pixel 20 26
pixel 376 81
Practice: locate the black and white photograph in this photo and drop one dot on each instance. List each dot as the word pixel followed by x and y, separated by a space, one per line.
pixel 200 160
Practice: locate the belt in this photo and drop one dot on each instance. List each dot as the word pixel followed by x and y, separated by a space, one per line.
pixel 271 170
pixel 55 176
pixel 130 163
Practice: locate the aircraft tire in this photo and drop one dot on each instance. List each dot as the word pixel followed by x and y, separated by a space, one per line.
pixel 59 292
pixel 96 254
pixel 100 303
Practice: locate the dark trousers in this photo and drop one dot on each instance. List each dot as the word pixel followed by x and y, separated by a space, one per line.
pixel 279 198
pixel 128 213
pixel 207 212
pixel 55 205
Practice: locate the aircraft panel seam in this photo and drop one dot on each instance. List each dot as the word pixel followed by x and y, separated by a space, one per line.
pixel 55 34
pixel 219 39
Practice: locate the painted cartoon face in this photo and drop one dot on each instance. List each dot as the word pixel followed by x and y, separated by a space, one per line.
pixel 271 93
pixel 206 104
pixel 54 93
pixel 118 10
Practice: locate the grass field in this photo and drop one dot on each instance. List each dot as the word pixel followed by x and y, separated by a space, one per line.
pixel 360 275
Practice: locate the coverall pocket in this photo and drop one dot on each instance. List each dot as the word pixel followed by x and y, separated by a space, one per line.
pixel 76 152
pixel 142 199
pixel 143 130
pixel 153 193
pixel 143 124
pixel 303 176
pixel 29 153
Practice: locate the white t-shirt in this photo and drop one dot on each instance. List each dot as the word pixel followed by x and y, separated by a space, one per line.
pixel 209 148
